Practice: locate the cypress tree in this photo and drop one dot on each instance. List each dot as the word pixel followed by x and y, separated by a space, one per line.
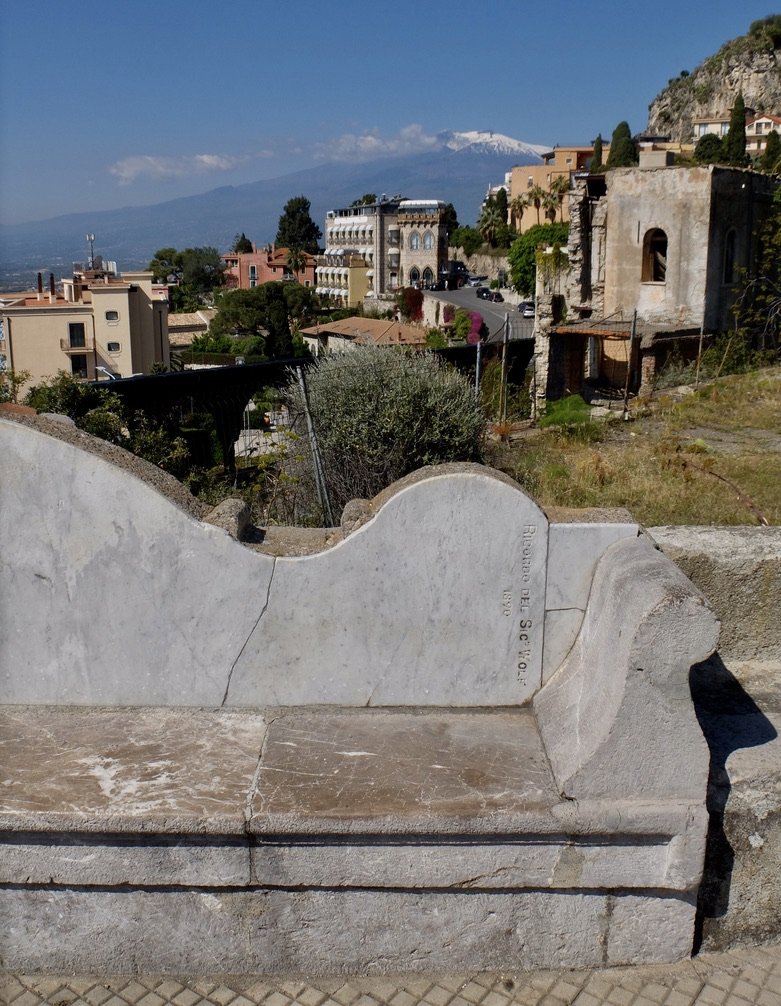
pixel 735 140
pixel 771 156
pixel 596 157
pixel 622 149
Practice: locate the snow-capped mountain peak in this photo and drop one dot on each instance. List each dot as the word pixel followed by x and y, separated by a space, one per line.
pixel 486 141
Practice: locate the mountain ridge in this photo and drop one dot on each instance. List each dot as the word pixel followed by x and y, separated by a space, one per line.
pixel 459 169
pixel 749 64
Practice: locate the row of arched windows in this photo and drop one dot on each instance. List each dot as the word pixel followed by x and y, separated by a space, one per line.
pixel 415 275
pixel 415 241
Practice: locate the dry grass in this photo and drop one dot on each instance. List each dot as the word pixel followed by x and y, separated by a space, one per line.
pixel 712 457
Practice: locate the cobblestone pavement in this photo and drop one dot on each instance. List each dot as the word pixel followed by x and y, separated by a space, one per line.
pixel 740 977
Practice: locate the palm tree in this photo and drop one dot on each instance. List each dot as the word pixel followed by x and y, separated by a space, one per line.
pixel 296 260
pixel 517 205
pixel 550 205
pixel 490 222
pixel 560 187
pixel 534 197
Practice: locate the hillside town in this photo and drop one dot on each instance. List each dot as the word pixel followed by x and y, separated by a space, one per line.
pixel 655 237
pixel 390 610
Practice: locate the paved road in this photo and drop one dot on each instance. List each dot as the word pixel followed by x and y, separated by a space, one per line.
pixel 493 314
pixel 747 977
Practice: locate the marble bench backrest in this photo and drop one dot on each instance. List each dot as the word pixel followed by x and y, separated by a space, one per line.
pixel 457 591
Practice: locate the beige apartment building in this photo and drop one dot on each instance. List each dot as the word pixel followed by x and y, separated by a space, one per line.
pixel 560 162
pixel 99 326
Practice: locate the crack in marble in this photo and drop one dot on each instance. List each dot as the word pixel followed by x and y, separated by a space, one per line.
pixel 251 632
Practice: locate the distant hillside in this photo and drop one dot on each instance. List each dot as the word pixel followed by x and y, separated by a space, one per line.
pixel 750 64
pixel 458 170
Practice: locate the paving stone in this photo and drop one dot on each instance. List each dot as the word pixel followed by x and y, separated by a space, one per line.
pixel 495 999
pixel 712 996
pixel 27 998
pixel 620 997
pixel 187 997
pixel 472 992
pixel 278 999
pixel 95 995
pixel 151 999
pixel 401 998
pixel 678 998
pixel 738 978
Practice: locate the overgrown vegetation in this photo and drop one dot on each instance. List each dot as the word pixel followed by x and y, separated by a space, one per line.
pixel 183 446
pixel 522 254
pixel 712 458
pixel 570 418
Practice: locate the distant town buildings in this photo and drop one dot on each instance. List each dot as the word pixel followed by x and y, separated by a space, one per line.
pixel 100 325
pixel 757 129
pixel 246 270
pixel 531 180
pixel 381 247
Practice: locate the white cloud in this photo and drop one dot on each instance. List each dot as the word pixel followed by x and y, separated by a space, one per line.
pixel 411 139
pixel 129 169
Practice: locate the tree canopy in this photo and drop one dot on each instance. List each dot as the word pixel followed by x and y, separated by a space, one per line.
pixel 241 244
pixel 623 153
pixel 450 219
pixel 467 238
pixel 735 140
pixel 268 313
pixel 296 227
pixel 521 257
pixel 195 274
pixel 771 156
pixel 366 200
pixel 709 150
pixel 596 157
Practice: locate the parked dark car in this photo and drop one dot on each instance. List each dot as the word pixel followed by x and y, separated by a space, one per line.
pixel 497 297
pixel 484 293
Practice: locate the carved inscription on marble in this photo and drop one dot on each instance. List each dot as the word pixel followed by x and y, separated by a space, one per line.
pixel 527 627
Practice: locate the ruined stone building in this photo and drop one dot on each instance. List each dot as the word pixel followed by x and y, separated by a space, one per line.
pixel 655 252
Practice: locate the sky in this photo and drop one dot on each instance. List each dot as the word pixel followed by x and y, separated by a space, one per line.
pixel 105 105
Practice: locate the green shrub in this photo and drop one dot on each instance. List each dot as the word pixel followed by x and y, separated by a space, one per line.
pixel 571 417
pixel 381 413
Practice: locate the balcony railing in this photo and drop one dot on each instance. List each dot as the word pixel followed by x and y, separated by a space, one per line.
pixel 87 345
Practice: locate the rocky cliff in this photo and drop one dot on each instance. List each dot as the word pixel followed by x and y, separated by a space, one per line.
pixel 750 64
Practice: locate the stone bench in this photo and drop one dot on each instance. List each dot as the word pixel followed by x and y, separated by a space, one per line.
pixel 460 738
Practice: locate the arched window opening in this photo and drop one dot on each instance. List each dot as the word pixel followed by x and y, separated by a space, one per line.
pixel 428 276
pixel 414 241
pixel 428 240
pixel 729 258
pixel 414 275
pixel 655 256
